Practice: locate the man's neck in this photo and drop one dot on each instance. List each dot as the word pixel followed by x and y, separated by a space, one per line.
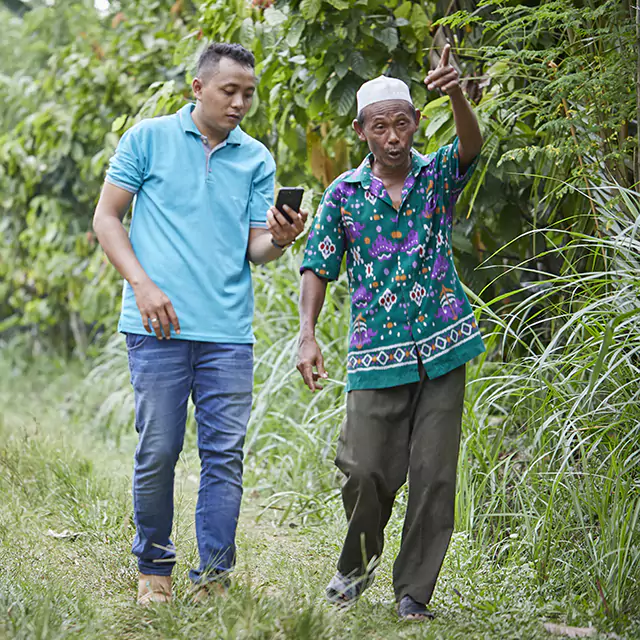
pixel 214 136
pixel 391 174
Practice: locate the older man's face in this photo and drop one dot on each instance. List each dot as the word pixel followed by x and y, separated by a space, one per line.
pixel 388 129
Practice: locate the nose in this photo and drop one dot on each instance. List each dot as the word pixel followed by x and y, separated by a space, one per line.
pixel 237 101
pixel 393 136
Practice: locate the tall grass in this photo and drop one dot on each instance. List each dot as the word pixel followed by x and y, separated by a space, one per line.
pixel 554 437
pixel 549 458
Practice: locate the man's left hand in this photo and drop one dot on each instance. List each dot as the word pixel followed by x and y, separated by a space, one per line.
pixel 283 231
pixel 444 77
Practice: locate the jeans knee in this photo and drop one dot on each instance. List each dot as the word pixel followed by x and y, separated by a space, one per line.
pixel 157 460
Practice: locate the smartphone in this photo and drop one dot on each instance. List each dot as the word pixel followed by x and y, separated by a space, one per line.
pixel 291 196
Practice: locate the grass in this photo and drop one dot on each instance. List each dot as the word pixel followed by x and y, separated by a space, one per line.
pixel 61 474
pixel 548 504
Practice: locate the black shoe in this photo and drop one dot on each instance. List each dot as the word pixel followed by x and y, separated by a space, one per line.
pixel 409 609
pixel 345 590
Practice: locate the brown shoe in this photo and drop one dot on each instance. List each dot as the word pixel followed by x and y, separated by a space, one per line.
pixel 153 589
pixel 205 591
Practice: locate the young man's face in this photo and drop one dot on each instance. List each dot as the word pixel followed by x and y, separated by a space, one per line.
pixel 388 129
pixel 225 94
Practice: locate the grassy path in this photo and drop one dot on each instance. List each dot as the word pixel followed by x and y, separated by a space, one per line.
pixel 66 570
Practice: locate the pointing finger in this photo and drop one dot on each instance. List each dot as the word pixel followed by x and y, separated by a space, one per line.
pixel 444 60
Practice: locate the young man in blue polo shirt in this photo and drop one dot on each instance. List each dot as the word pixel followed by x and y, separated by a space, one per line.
pixel 203 194
pixel 412 331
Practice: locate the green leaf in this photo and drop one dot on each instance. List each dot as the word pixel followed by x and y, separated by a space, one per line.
pixel 247 33
pixel 388 37
pixel 436 122
pixel 344 95
pixel 404 10
pixel 118 123
pixel 342 68
pixel 299 59
pixel 341 5
pixel 274 17
pixel 295 33
pixel 435 105
pixel 461 242
pixel 300 100
pixel 309 8
pixel 420 21
pixel 359 64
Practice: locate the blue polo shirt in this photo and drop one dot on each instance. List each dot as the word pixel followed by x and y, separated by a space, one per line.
pixel 192 212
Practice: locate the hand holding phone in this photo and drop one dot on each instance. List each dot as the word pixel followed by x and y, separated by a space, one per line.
pixel 292 197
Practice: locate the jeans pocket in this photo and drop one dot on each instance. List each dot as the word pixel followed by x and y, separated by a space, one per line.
pixel 135 341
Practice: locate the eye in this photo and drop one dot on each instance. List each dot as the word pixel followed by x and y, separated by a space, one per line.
pixel 227 92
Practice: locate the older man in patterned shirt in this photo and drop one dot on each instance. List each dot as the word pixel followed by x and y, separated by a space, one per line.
pixel 412 331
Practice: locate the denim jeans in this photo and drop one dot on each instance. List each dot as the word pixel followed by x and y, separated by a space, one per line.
pixel 219 378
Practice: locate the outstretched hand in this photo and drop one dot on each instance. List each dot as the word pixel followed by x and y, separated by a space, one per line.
pixel 444 77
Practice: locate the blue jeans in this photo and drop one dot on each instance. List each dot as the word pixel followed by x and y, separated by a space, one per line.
pixel 219 377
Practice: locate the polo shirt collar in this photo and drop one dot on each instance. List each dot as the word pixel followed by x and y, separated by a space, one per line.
pixel 364 175
pixel 189 126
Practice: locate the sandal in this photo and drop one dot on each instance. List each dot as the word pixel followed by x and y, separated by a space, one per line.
pixel 345 590
pixel 409 609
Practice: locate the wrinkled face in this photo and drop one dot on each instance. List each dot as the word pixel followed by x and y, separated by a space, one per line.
pixel 388 129
pixel 225 94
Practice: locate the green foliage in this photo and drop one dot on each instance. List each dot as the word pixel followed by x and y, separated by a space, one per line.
pixel 553 83
pixel 55 140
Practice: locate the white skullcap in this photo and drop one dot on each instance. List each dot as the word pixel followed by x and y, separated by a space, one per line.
pixel 382 88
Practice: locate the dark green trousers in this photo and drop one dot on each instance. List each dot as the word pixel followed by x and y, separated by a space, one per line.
pixel 411 429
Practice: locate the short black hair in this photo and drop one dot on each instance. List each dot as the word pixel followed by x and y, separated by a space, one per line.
pixel 211 56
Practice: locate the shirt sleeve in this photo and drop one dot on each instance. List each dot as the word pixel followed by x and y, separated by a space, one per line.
pixel 326 243
pixel 448 166
pixel 127 166
pixel 262 190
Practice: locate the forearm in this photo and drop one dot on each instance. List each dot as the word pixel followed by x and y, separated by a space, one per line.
pixel 115 242
pixel 312 293
pixel 261 249
pixel 467 128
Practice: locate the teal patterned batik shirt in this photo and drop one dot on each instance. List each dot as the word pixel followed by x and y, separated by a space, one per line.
pixel 406 297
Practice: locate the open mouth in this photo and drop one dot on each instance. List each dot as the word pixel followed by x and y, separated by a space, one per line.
pixel 394 153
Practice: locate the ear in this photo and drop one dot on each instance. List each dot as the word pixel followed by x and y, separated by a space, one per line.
pixel 196 86
pixel 358 129
pixel 418 117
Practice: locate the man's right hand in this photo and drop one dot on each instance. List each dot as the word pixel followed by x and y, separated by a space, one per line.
pixel 310 357
pixel 156 310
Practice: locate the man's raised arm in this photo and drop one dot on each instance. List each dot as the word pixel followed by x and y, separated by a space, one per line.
pixel 445 78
